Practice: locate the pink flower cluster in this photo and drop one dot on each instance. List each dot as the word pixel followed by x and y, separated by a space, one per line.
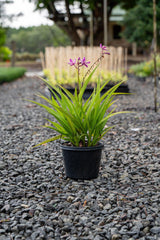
pixel 80 62
pixel 104 49
pixel 83 62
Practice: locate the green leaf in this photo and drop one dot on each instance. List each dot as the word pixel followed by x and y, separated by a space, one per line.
pixel 48 140
pixel 77 120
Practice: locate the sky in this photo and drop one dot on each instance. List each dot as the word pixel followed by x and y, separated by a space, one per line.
pixel 30 18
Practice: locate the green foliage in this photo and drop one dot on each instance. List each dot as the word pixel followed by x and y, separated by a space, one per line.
pixel 82 123
pixel 139 23
pixel 145 69
pixel 2 36
pixel 11 73
pixel 63 78
pixel 55 13
pixel 35 39
pixel 5 53
pixel 138 70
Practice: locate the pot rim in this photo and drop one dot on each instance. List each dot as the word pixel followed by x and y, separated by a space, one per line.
pixel 73 148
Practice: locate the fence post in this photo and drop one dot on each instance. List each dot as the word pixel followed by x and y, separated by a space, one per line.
pixel 13 58
pixel 134 49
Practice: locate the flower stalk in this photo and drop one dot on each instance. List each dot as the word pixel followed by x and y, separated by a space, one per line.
pixel 83 62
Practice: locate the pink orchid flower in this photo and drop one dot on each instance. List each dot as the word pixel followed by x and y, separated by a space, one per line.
pixel 83 62
pixel 104 49
pixel 72 62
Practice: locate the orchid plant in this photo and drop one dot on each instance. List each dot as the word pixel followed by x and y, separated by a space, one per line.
pixel 81 123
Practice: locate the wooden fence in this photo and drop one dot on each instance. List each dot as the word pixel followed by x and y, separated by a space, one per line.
pixel 58 58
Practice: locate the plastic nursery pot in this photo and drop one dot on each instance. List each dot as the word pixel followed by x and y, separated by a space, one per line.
pixel 82 162
pixel 123 89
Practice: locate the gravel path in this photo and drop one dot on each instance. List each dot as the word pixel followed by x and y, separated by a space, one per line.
pixel 37 201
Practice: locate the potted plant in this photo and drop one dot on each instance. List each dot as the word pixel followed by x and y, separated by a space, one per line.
pixel 81 124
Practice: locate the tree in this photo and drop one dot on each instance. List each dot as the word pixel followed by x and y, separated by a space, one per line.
pixel 155 52
pixel 74 16
pixel 139 23
pixel 35 39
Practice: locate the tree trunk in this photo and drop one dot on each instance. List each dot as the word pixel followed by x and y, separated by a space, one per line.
pixel 154 55
pixel 72 29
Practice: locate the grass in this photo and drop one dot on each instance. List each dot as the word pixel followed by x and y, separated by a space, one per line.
pixel 8 74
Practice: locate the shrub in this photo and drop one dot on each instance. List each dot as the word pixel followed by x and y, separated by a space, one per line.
pixel 5 53
pixel 25 56
pixel 138 70
pixel 11 73
pixel 145 69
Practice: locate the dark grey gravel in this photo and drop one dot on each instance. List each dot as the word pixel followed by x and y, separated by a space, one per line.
pixel 37 201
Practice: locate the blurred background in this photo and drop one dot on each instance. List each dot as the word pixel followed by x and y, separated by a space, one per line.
pixel 27 27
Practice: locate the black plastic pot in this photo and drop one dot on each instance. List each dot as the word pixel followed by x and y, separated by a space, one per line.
pixel 82 162
pixel 123 88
